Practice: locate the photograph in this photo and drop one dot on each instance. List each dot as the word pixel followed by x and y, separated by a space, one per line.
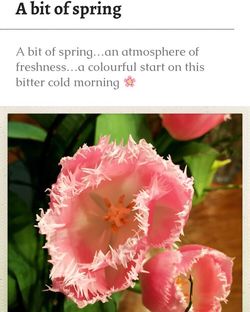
pixel 125 212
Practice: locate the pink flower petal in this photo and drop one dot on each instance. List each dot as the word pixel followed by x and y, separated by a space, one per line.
pixel 169 207
pixel 212 265
pixel 158 288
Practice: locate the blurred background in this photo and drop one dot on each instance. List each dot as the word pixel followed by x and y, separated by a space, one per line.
pixel 36 144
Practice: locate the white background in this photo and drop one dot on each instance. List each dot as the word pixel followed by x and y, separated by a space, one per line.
pixel 224 53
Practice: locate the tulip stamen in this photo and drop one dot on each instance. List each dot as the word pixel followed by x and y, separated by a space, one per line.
pixel 117 214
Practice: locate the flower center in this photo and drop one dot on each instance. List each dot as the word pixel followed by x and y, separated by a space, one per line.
pixel 117 214
pixel 184 283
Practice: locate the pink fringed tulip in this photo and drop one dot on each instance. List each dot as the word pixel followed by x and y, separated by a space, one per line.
pixel 109 204
pixel 186 127
pixel 166 286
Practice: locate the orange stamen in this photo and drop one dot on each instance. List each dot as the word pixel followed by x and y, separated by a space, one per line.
pixel 183 282
pixel 117 214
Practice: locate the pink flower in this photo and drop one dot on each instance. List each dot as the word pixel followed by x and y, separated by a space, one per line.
pixel 111 202
pixel 185 127
pixel 167 285
pixel 129 81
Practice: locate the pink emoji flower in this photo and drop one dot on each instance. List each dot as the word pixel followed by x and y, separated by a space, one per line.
pixel 109 204
pixel 195 271
pixel 129 82
pixel 185 127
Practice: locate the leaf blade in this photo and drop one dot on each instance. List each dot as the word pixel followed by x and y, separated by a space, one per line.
pixel 21 130
pixel 120 126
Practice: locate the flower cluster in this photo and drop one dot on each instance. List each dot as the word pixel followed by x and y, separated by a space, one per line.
pixel 109 205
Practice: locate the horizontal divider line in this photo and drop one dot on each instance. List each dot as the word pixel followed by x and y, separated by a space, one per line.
pixel 135 29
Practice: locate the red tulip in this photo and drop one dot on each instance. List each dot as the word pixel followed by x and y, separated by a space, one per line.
pixel 186 127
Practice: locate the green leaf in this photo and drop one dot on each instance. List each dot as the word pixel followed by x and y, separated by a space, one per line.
pixel 197 199
pixel 110 306
pixel 20 182
pixel 24 272
pixel 220 163
pixel 70 306
pixel 12 291
pixel 23 256
pixel 45 120
pixel 217 164
pixel 116 297
pixel 191 148
pixel 66 133
pixel 21 228
pixel 21 130
pixel 120 126
pixel 199 158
